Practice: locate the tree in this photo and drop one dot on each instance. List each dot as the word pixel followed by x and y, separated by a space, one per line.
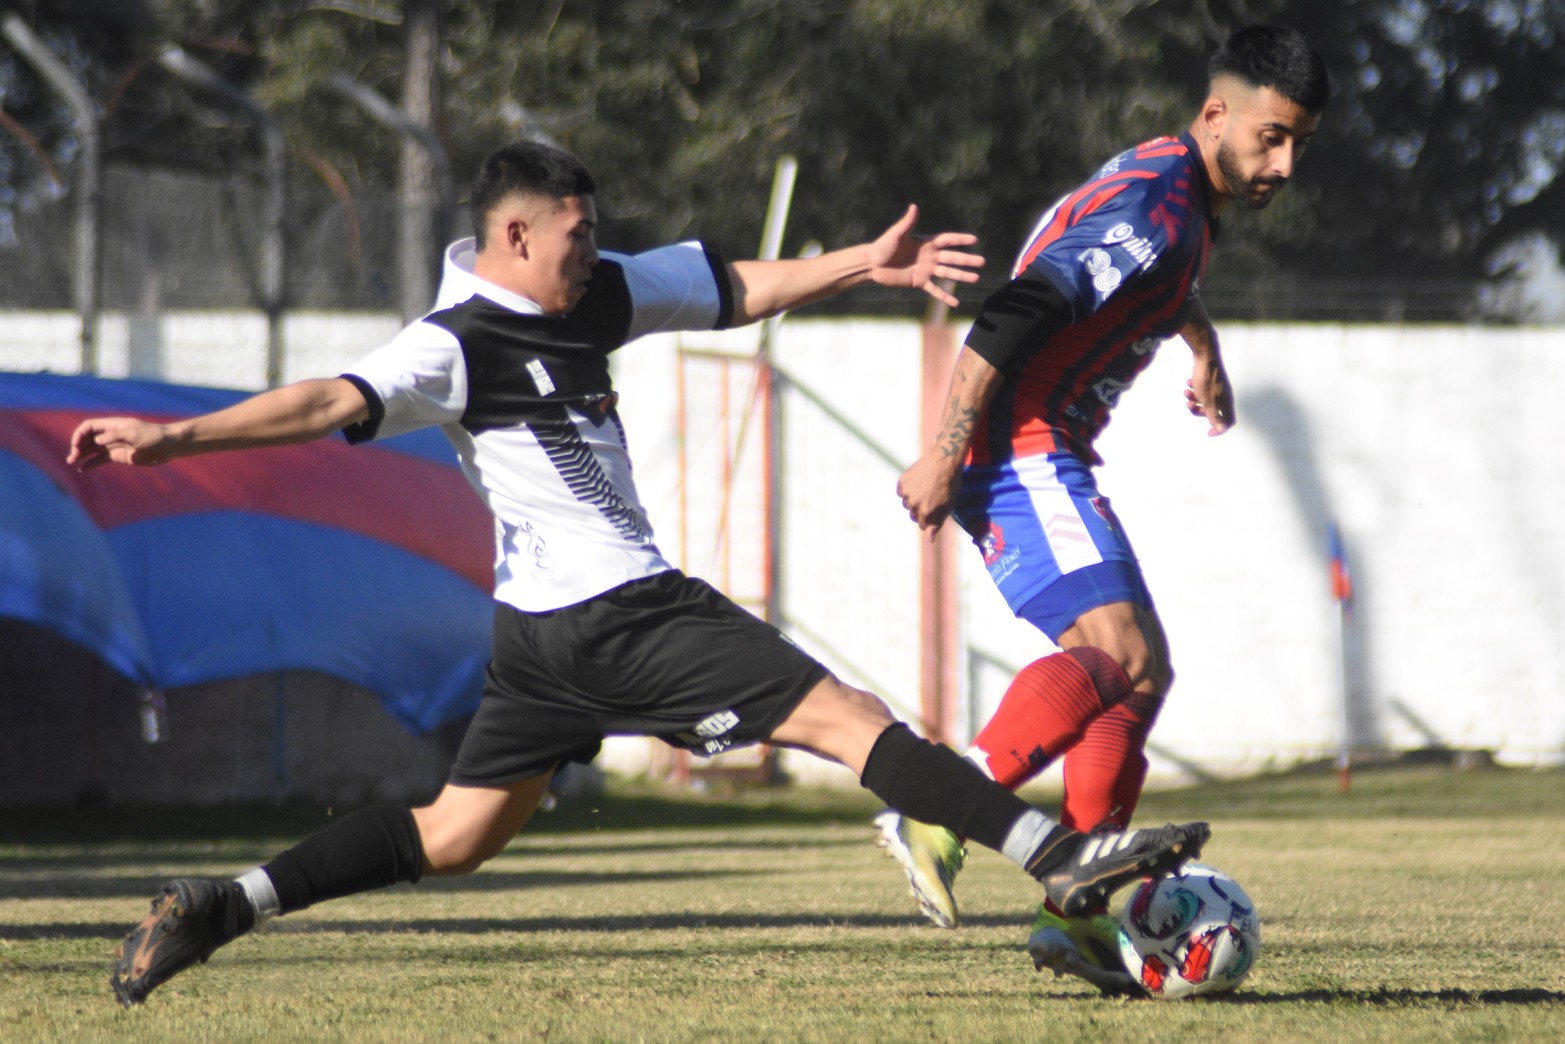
pixel 1441 149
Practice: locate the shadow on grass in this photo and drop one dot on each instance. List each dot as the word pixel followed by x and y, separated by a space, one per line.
pixel 145 886
pixel 614 923
pixel 1408 785
pixel 629 807
pixel 1399 997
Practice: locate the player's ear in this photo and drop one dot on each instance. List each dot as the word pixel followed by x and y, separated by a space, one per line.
pixel 1214 115
pixel 514 234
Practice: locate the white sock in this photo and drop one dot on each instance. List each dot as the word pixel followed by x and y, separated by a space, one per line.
pixel 1026 835
pixel 977 756
pixel 263 897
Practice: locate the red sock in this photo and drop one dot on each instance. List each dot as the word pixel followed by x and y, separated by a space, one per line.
pixel 1105 770
pixel 1047 709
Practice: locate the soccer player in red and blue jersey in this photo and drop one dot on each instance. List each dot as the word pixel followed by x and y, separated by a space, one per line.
pixel 1111 270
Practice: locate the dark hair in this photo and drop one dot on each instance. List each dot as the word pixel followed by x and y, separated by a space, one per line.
pixel 531 168
pixel 1277 57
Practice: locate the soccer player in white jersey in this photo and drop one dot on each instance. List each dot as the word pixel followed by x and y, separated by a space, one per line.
pixel 595 632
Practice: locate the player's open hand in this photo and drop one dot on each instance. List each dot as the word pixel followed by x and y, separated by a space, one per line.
pixel 120 440
pixel 899 258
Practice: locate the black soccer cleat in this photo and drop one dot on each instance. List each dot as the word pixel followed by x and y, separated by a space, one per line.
pixel 1081 882
pixel 190 918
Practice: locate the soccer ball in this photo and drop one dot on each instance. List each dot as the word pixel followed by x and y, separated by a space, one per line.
pixel 1193 933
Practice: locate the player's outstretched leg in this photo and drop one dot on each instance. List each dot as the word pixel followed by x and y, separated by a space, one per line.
pixel 931 856
pixel 1086 947
pixel 1080 871
pixel 190 918
pixel 1043 713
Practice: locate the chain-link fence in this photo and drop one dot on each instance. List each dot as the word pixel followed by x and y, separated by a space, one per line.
pixel 172 240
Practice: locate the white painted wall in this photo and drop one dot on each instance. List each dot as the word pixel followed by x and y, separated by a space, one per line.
pixel 1440 451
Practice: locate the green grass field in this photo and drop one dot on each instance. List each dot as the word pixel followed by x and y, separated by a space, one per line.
pixel 1426 904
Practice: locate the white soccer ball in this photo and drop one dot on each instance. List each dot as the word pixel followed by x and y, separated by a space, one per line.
pixel 1193 933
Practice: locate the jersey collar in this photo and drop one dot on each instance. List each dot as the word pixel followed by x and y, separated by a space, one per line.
pixel 458 283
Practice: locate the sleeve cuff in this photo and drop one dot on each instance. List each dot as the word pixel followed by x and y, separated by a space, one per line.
pixel 366 429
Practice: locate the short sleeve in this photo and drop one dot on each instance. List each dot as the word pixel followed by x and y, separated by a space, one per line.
pixel 679 287
pixel 418 379
pixel 1099 252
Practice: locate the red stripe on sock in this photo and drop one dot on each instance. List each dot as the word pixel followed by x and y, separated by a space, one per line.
pixel 1105 771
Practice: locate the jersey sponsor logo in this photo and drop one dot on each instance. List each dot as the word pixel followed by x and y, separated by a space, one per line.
pixel 1106 283
pixel 1096 261
pixel 1112 166
pixel 1121 232
pixel 536 547
pixel 1140 251
pixel 540 376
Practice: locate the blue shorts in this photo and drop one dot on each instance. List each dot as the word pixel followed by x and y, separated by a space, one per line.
pixel 1052 544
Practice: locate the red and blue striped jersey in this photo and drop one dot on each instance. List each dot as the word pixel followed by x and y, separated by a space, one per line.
pixel 1127 250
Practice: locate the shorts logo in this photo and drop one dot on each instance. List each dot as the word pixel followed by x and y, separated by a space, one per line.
pixel 710 735
pixel 1106 513
pixel 1001 559
pixel 717 724
pixel 992 544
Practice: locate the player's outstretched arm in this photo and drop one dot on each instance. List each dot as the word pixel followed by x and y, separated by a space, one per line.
pixel 293 413
pixel 896 258
pixel 1207 393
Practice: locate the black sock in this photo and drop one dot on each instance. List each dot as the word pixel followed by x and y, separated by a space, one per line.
pixel 364 850
pixel 935 784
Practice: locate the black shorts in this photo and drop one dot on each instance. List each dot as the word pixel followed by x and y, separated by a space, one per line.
pixel 667 656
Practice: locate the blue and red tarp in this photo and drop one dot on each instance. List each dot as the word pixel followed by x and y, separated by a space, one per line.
pixel 369 563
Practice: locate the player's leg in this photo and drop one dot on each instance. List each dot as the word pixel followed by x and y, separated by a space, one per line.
pixel 1058 555
pixel 932 783
pixel 522 731
pixel 370 848
pixel 1105 770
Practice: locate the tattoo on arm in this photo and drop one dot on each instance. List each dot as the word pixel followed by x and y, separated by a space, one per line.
pixel 957 430
pixel 961 419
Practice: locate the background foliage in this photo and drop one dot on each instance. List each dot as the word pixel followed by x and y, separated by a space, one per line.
pixel 1438 160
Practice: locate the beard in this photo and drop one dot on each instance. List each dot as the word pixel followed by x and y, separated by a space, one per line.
pixel 1245 190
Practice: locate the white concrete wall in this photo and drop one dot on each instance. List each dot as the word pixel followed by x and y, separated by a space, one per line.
pixel 1438 450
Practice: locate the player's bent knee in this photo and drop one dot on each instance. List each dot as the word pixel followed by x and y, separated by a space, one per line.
pixel 454 856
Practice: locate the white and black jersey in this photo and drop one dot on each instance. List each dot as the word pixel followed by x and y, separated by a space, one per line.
pixel 526 400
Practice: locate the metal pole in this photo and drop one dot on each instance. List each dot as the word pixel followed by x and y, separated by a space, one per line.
pixel 771 248
pixel 87 288
pixel 275 151
pixel 414 303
